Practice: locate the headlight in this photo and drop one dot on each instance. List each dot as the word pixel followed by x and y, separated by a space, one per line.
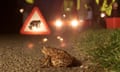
pixel 58 23
pixel 74 23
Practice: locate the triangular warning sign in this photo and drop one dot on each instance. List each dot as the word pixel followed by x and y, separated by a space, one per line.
pixel 35 24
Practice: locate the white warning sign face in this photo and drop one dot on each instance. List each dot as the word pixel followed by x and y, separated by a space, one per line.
pixel 35 24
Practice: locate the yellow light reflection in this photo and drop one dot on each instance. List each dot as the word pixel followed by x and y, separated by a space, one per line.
pixel 61 39
pixel 45 40
pixel 58 37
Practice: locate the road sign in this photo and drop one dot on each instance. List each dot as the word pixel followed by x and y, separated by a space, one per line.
pixel 35 24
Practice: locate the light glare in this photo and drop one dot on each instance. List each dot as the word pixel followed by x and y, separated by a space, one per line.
pixel 58 37
pixel 58 23
pixel 102 15
pixel 45 40
pixel 64 15
pixel 30 45
pixel 61 39
pixel 21 10
pixel 74 23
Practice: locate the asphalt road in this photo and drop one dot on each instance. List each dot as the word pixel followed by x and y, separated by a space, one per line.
pixel 20 53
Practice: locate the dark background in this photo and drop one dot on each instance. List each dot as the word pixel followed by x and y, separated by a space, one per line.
pixel 12 19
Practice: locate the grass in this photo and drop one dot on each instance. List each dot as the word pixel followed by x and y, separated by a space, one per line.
pixel 103 46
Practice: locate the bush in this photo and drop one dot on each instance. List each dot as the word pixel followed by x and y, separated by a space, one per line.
pixel 103 46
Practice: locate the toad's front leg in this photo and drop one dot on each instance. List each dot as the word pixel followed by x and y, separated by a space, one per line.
pixel 46 62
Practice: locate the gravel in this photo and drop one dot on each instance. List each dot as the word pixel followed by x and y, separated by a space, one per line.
pixel 17 56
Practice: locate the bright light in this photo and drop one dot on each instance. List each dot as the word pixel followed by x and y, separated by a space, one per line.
pixel 102 15
pixel 74 23
pixel 21 10
pixel 58 23
pixel 61 39
pixel 45 40
pixel 58 37
pixel 64 15
pixel 68 9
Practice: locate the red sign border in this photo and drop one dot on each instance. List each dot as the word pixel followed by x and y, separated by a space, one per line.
pixel 35 9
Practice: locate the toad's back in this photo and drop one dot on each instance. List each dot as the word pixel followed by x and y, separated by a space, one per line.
pixel 59 58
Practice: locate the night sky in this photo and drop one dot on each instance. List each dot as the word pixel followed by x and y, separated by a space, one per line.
pixel 12 20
